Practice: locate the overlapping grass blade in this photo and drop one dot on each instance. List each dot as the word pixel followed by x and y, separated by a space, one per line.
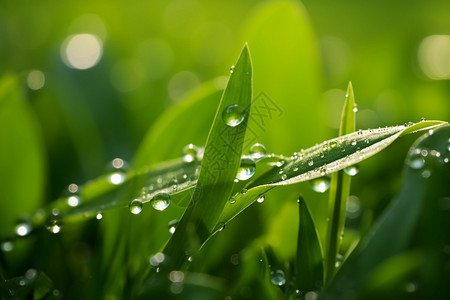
pixel 328 157
pixel 424 176
pixel 221 160
pixel 339 192
pixel 309 263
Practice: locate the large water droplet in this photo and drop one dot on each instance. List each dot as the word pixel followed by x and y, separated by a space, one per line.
pixel 261 199
pixel 352 170
pixel 416 162
pixel 189 153
pixel 321 184
pixel 160 201
pixel 278 278
pixel 23 227
pixel 173 226
pixel 257 151
pixel 246 169
pixel 135 206
pixel 99 215
pixel 233 115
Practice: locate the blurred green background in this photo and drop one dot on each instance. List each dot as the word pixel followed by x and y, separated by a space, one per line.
pixel 89 79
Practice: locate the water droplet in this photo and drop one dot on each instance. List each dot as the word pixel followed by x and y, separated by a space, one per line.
pixel 353 207
pixel 176 276
pixel 310 163
pixel 280 163
pixel 426 173
pixel 157 259
pixel 246 169
pixel 353 142
pixel 73 188
pixel 73 201
pixel 431 132
pixel 410 287
pixel 295 169
pixel 355 108
pixel 119 167
pixel 220 226
pixel 135 206
pixel 189 153
pixel 283 177
pixel 416 162
pixel 333 145
pixel 23 227
pixel 231 69
pixel 320 184
pixel 261 199
pixel 233 115
pixel 173 226
pixel 232 200
pixel 352 170
pixel 160 201
pixel 31 274
pixel 277 278
pixel 257 151
pixel 99 216
pixel 244 191
pixel 55 226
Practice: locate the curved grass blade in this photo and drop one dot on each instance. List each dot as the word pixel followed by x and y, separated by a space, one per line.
pixel 221 160
pixel 339 192
pixel 309 262
pixel 415 208
pixel 330 156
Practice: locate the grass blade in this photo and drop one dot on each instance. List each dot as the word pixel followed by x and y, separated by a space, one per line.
pixel 220 163
pixel 309 263
pixel 339 192
pixel 424 177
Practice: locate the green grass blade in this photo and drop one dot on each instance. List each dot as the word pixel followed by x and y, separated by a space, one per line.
pixel 424 176
pixel 339 192
pixel 22 160
pixel 220 163
pixel 309 263
pixel 324 158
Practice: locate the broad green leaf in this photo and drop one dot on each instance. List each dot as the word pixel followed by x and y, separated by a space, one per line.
pixel 339 192
pixel 22 161
pixel 426 172
pixel 309 262
pixel 220 163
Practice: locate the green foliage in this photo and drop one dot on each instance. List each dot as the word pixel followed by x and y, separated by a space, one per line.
pixel 227 224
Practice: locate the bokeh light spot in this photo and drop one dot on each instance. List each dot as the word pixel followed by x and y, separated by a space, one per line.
pixel 35 80
pixel 82 51
pixel 434 56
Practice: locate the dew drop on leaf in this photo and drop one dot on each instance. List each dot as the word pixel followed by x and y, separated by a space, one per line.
pixel 160 201
pixel 261 199
pixel 232 200
pixel 246 169
pixel 73 201
pixel 231 69
pixel 233 115
pixel 310 163
pixel 99 216
pixel 173 226
pixel 321 184
pixel 220 226
pixel 352 170
pixel 416 162
pixel 135 206
pixel 278 278
pixel 189 153
pixel 23 227
pixel 54 227
pixel 426 173
pixel 257 151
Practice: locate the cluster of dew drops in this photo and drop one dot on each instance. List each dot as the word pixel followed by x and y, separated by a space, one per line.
pixel 418 158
